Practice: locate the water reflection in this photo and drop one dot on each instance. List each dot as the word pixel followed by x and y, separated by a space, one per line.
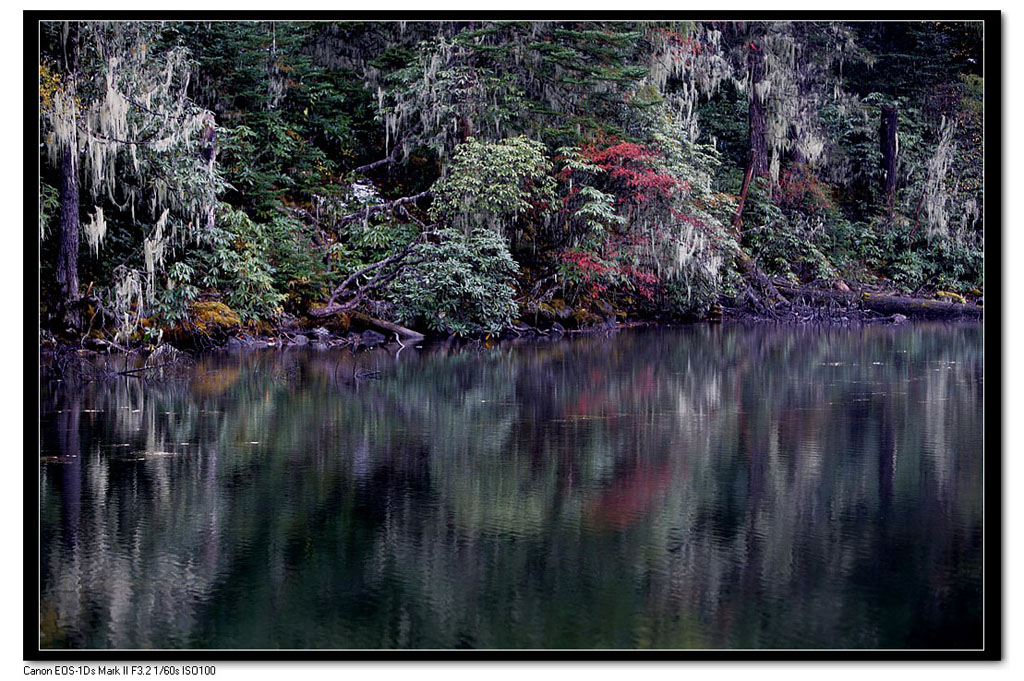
pixel 701 487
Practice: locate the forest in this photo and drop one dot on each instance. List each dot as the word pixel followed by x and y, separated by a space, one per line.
pixel 204 181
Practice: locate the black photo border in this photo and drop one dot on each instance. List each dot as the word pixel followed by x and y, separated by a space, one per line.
pixel 993 385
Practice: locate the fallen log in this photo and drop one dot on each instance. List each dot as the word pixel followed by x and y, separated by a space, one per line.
pixel 921 308
pixel 367 320
pixel 914 308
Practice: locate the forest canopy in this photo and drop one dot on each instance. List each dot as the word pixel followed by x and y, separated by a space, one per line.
pixel 469 178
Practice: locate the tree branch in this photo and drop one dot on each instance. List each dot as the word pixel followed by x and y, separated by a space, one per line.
pixel 387 160
pixel 378 280
pixel 380 207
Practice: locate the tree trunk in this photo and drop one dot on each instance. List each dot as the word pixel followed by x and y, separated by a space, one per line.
pixel 888 147
pixel 796 154
pixel 737 220
pixel 758 160
pixel 67 248
pixel 208 139
pixel 761 157
pixel 465 127
pixel 68 233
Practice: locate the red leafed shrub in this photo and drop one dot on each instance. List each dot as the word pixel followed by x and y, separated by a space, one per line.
pixel 586 263
pixel 598 274
pixel 642 282
pixel 676 41
pixel 634 165
pixel 801 189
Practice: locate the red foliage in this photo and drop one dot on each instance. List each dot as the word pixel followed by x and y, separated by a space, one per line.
pixel 632 164
pixel 597 273
pixel 676 41
pixel 800 188
pixel 586 263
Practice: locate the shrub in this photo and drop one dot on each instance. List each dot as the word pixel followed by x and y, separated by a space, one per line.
pixel 462 284
pixel 493 183
pixel 238 264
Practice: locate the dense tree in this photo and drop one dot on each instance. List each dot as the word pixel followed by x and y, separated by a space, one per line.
pixel 261 169
pixel 128 141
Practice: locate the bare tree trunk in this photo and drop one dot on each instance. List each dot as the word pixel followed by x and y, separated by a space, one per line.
pixel 68 233
pixel 761 158
pixel 208 138
pixel 758 165
pixel 737 219
pixel 888 147
pixel 465 127
pixel 67 248
pixel 758 160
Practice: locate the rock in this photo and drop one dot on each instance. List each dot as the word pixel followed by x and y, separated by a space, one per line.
pixel 233 344
pixel 288 322
pixel 299 340
pixel 96 343
pixel 840 285
pixel 320 333
pixel 562 311
pixel 898 318
pixel 585 319
pixel 557 328
pixel 372 338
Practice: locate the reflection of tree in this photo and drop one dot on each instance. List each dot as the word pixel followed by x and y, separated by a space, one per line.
pixel 695 487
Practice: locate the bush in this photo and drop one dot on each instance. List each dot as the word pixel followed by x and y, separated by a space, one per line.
pixel 493 184
pixel 238 265
pixel 462 284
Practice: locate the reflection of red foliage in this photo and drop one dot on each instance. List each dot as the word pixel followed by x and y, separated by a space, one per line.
pixel 631 497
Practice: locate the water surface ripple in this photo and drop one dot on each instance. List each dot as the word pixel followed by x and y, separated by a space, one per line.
pixel 703 487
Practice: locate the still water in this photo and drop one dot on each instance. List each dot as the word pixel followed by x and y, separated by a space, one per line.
pixel 702 487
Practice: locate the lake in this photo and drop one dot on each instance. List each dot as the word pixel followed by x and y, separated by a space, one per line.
pixel 695 487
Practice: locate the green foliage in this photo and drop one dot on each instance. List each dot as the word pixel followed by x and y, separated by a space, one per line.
pixel 917 261
pixel 493 183
pixel 691 298
pixel 462 285
pixel 783 246
pixel 239 265
pixel 173 303
pixel 502 79
pixel 782 250
pixel 443 97
pixel 608 154
pixel 49 206
pixel 375 239
pixel 287 119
